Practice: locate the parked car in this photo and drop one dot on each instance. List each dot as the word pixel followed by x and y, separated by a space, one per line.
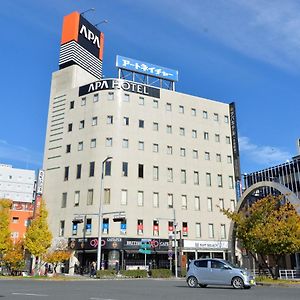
pixel 213 271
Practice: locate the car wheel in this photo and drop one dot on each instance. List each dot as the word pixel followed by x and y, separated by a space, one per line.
pixel 238 283
pixel 192 282
pixel 203 285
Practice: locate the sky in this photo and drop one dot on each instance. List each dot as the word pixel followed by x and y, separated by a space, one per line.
pixel 226 50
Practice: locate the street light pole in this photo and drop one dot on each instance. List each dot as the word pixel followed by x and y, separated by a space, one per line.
pixel 175 246
pixel 100 216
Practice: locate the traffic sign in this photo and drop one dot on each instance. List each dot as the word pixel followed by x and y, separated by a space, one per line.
pixel 145 251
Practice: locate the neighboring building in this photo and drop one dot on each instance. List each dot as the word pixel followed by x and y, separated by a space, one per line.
pixel 18 186
pixel 171 152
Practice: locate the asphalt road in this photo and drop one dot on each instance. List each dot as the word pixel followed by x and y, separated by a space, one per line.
pixel 134 290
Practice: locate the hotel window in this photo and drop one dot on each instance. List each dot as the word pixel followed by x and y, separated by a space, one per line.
pixel 109 119
pixel 217 138
pixel 216 117
pixel 108 142
pixel 68 148
pixel 169 150
pixel 155 200
pixel 140 227
pixel 70 127
pixel 169 128
pixel 92 169
pixel 107 168
pixel 78 171
pixel 155 227
pixel 182 152
pixel 209 204
pixel 72 104
pixel 208 179
pixel 197 202
pixel 66 173
pixel 205 114
pixel 211 233
pixel 221 203
pixel 62 228
pixel 140 198
pixel 64 200
pixel 80 146
pixel 198 230
pixel 126 97
pixel 229 159
pixel 125 143
pixel 141 123
pixel 141 171
pixel 76 198
pixel 125 121
pixel 196 178
pixel 110 96
pixel 124 197
pixel 141 145
pixel 155 126
pixel 181 109
pixel 15 220
pixel 155 147
pixel 155 173
pixel 74 228
pixel 124 168
pixel 183 176
pixel 194 134
pixel 96 98
pixel 170 200
pixel 206 136
pixel 81 124
pixel 226 119
pixel 207 156
pixel 184 229
pixel 123 226
pixel 170 175
pixel 155 103
pixel 184 202
pixel 220 180
pixel 105 226
pixel 106 196
pixel 90 197
pixel 195 154
pixel 193 112
pixel 230 181
pixel 181 131
pixel 94 121
pixel 232 204
pixel 141 101
pixel 93 143
pixel 223 231
pixel 83 101
pixel 168 107
pixel 88 226
pixel 227 139
pixel 218 157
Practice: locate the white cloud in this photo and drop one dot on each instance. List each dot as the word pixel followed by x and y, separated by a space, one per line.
pixel 263 155
pixel 14 153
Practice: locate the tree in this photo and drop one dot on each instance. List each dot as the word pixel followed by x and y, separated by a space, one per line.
pixel 5 239
pixel 270 226
pixel 38 236
pixel 14 258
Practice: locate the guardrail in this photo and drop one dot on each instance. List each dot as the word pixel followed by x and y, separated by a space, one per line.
pixel 289 274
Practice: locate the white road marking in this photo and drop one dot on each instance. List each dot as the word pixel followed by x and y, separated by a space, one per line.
pixel 101 298
pixel 27 294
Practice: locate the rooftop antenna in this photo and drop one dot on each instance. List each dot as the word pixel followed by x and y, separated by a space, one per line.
pixel 101 22
pixel 90 9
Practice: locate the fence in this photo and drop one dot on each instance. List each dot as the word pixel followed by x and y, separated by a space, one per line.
pixel 289 274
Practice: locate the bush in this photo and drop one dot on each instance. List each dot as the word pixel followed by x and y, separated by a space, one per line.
pixel 134 273
pixel 183 272
pixel 160 273
pixel 110 273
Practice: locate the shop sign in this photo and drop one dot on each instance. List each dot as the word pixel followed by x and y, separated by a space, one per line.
pixel 206 244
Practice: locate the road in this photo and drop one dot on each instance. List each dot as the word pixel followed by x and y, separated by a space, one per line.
pixel 134 290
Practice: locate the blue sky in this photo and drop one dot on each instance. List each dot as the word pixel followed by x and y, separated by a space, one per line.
pixel 226 50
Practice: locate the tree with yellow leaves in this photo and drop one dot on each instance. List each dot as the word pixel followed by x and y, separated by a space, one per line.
pixel 269 226
pixel 14 258
pixel 38 236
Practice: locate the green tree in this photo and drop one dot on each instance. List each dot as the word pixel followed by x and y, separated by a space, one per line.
pixel 38 236
pixel 5 239
pixel 270 226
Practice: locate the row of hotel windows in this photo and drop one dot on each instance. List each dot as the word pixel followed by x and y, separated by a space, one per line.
pixel 140 228
pixel 155 127
pixel 155 169
pixel 155 200
pixel 155 149
pixel 155 104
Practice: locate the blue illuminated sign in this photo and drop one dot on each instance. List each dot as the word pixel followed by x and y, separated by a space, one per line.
pixel 146 68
